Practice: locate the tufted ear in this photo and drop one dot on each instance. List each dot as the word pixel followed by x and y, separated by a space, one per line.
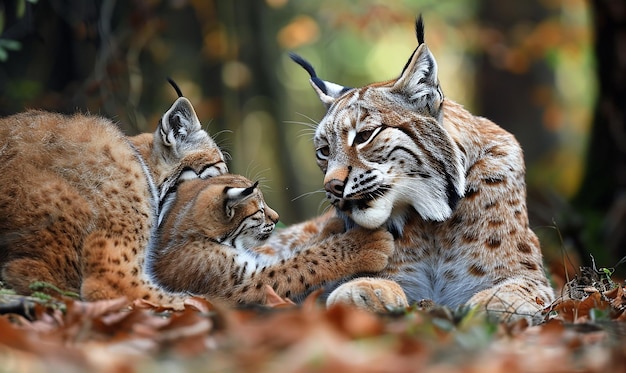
pixel 328 92
pixel 234 196
pixel 179 122
pixel 418 84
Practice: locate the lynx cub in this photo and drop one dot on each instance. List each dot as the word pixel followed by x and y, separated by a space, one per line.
pixel 211 243
pixel 74 191
pixel 449 186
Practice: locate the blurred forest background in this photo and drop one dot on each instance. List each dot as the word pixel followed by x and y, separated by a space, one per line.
pixel 552 72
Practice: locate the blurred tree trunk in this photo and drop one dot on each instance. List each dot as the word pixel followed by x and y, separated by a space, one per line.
pixel 507 80
pixel 252 26
pixel 602 196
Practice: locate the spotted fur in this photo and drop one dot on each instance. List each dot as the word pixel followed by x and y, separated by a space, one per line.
pixel 449 185
pixel 79 201
pixel 213 242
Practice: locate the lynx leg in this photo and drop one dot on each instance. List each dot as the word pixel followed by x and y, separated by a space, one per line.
pixel 93 289
pixel 108 268
pixel 370 294
pixel 19 274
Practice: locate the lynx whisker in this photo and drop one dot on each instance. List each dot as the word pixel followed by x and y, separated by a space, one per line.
pixel 307 194
pixel 306 124
pixel 313 121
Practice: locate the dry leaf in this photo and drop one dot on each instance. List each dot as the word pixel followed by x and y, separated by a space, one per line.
pixel 274 300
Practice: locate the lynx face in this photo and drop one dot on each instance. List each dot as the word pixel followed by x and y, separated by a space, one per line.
pixel 229 209
pixel 383 148
pixel 179 149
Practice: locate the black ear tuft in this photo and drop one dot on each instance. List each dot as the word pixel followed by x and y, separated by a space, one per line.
pixel 246 192
pixel 309 69
pixel 304 63
pixel 419 29
pixel 176 88
pixel 327 91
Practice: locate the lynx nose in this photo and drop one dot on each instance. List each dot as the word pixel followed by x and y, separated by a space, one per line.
pixel 335 187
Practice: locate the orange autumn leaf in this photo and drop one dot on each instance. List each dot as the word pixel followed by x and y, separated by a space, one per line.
pixel 274 300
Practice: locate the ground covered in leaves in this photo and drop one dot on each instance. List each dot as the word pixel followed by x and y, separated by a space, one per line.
pixel 584 331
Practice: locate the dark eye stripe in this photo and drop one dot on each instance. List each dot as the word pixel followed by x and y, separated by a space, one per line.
pixel 406 150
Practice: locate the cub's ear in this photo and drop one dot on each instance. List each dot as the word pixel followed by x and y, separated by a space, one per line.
pixel 178 123
pixel 234 196
pixel 418 84
pixel 328 92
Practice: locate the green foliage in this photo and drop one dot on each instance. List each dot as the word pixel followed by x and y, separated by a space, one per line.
pixel 597 314
pixel 7 45
pixel 38 287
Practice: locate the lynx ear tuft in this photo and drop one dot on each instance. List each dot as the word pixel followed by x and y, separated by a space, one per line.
pixel 234 196
pixel 176 87
pixel 328 92
pixel 419 30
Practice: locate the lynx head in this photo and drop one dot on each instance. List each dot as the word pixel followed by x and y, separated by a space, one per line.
pixel 228 209
pixel 179 149
pixel 383 148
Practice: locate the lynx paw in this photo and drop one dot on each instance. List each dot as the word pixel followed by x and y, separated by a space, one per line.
pixel 374 249
pixel 507 306
pixel 370 294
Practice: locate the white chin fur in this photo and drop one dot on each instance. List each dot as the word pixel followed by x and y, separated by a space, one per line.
pixel 374 216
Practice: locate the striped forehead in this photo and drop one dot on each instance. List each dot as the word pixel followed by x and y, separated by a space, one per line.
pixel 346 114
pixel 347 100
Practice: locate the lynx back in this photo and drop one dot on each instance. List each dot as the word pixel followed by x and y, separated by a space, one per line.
pixel 79 200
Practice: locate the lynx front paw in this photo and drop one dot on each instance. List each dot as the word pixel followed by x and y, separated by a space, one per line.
pixel 374 249
pixel 507 305
pixel 370 294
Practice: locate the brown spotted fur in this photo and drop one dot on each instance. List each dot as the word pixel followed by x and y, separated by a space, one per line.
pixel 205 251
pixel 79 200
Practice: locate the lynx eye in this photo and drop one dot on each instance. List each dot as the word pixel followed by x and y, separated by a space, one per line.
pixel 323 152
pixel 364 136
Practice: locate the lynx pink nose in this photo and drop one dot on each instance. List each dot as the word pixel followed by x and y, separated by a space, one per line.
pixel 335 187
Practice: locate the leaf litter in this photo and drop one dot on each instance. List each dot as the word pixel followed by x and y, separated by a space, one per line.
pixel 583 331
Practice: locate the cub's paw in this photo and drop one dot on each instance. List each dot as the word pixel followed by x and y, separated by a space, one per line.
pixel 369 294
pixel 373 248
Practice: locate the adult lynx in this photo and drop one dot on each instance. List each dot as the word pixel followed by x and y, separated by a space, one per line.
pixel 449 186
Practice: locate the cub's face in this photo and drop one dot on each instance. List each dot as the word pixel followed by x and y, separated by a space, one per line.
pixel 383 149
pixel 228 209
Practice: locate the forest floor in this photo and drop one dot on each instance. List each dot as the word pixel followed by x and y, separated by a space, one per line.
pixel 584 331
